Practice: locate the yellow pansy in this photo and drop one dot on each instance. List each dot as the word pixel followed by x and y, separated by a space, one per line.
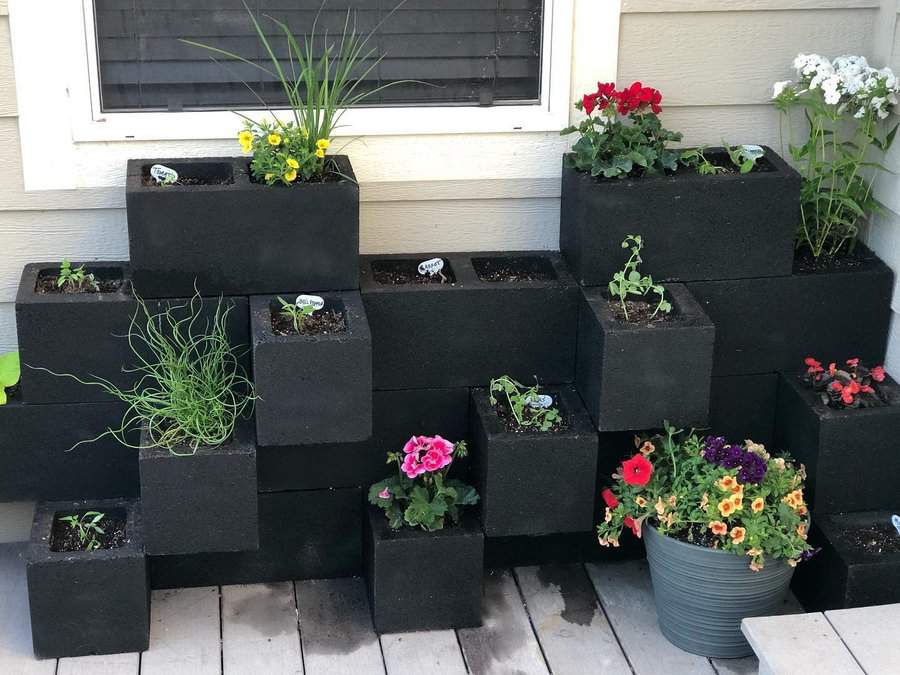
pixel 320 153
pixel 274 139
pixel 290 176
pixel 323 143
pixel 293 163
pixel 245 136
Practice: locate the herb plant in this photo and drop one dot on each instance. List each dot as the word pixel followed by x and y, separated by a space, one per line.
pixel 695 158
pixel 851 386
pixel 523 403
pixel 629 281
pixel 710 493
pixel 845 103
pixel 75 278
pixel 744 157
pixel 625 138
pixel 9 373
pixel 88 527
pixel 296 313
pixel 421 495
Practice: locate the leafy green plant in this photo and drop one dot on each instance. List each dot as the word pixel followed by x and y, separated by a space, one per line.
pixel 695 158
pixel 75 278
pixel 629 281
pixel 744 157
pixel 191 387
pixel 296 313
pixel 9 373
pixel 524 404
pixel 88 527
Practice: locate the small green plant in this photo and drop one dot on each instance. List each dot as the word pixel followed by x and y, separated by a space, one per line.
pixel 629 281
pixel 88 527
pixel 296 313
pixel 75 278
pixel 744 157
pixel 9 373
pixel 526 404
pixel 696 159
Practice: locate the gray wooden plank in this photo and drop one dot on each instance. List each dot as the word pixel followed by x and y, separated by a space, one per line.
pixel 336 628
pixel 505 642
pixel 798 644
pixel 570 624
pixel 871 635
pixel 106 664
pixel 184 633
pixel 260 633
pixel 433 652
pixel 626 594
pixel 16 657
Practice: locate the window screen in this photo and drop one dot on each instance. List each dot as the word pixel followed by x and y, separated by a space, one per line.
pixel 469 52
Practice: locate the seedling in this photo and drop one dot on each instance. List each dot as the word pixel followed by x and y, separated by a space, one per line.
pixel 528 406
pixel 9 373
pixel 88 527
pixel 629 281
pixel 75 278
pixel 744 157
pixel 696 158
pixel 295 312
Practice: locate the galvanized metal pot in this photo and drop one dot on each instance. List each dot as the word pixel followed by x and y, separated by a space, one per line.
pixel 702 594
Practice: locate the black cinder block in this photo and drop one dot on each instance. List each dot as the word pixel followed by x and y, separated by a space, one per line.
pixel 266 239
pixel 82 334
pixel 746 222
pixel 843 574
pixel 402 597
pixel 772 324
pixel 313 389
pixel 88 602
pixel 463 333
pixel 743 406
pixel 201 502
pixel 635 377
pixel 534 482
pixel 851 457
pixel 308 534
pixel 397 416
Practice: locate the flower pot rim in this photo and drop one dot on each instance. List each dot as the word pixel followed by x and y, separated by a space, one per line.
pixel 723 555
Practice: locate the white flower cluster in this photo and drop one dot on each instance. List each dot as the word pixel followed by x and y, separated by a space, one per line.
pixel 848 82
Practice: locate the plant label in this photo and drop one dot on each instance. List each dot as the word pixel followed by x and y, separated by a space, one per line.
pixel 895 521
pixel 752 151
pixel 431 267
pixel 163 174
pixel 539 401
pixel 316 302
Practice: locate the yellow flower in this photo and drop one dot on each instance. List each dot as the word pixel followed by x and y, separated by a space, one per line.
pixel 245 136
pixel 801 531
pixel 290 176
pixel 726 483
pixel 246 147
pixel 792 562
pixel 293 163
pixel 738 502
pixel 647 448
pixel 320 153
pixel 754 552
pixel 671 500
pixel 737 535
pixel 608 517
pixel 758 504
pixel 726 507
pixel 274 139
pixel 640 501
pixel 322 144
pixel 660 506
pixel 270 176
pixel 779 464
pixel 704 501
pixel 738 490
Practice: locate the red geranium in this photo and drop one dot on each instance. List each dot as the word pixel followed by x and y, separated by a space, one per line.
pixel 877 373
pixel 637 470
pixel 609 498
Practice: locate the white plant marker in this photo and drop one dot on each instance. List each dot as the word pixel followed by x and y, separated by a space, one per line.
pixel 895 521
pixel 753 152
pixel 540 401
pixel 163 174
pixel 431 267
pixel 316 302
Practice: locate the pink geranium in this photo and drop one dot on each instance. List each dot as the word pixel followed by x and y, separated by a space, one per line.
pixel 426 454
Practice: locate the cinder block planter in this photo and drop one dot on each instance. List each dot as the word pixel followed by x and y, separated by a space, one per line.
pixel 397 416
pixel 746 222
pixel 850 455
pixel 87 602
pixel 766 325
pixel 852 569
pixel 308 534
pixel 743 406
pixel 77 333
pixel 402 597
pixel 257 230
pixel 534 483
pixel 462 333
pixel 313 389
pixel 202 502
pixel 635 377
pixel 34 452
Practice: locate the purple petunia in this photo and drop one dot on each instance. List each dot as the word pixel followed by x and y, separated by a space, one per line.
pixel 752 466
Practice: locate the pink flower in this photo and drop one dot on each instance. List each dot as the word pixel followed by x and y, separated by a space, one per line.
pixel 416 444
pixel 442 444
pixel 412 467
pixel 384 494
pixel 426 454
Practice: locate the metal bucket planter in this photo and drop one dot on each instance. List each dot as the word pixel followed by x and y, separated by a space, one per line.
pixel 702 594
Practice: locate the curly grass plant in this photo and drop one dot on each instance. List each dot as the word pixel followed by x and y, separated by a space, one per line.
pixel 191 387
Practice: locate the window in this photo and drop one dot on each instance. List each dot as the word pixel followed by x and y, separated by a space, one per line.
pixel 462 52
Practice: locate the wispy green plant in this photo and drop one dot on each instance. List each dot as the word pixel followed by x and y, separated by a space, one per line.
pixel 191 387
pixel 9 373
pixel 75 278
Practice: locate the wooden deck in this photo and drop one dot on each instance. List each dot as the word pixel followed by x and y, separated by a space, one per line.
pixel 559 619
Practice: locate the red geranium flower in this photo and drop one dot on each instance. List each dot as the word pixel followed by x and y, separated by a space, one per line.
pixel 853 362
pixel 812 366
pixel 589 101
pixel 877 373
pixel 609 498
pixel 637 470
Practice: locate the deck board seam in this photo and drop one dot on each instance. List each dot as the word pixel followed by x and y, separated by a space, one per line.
pixel 462 651
pixel 609 620
pixel 534 631
pixel 299 632
pixel 843 642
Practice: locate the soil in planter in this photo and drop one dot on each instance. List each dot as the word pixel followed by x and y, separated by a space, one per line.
pixel 512 425
pixel 723 161
pixel 804 261
pixel 640 313
pixel 696 534
pixel 326 322
pixel 405 272
pixel 47 284
pixel 876 539
pixel 526 268
pixel 64 538
pixel 149 181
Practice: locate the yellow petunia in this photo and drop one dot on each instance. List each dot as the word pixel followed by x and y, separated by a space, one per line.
pixel 320 153
pixel 245 136
pixel 322 144
pixel 758 504
pixel 293 163
pixel 726 483
pixel 726 507
pixel 290 176
pixel 737 535
pixel 640 501
pixel 274 139
pixel 660 506
pixel 246 147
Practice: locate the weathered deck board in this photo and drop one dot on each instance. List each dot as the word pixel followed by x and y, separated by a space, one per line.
pixel 505 642
pixel 260 632
pixel 107 664
pixel 872 634
pixel 571 627
pixel 336 628
pixel 184 633
pixel 16 657
pixel 626 594
pixel 433 652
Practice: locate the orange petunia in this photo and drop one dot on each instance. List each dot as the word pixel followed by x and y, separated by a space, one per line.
pixel 801 530
pixel 718 527
pixel 726 483
pixel 737 535
pixel 738 489
pixel 647 448
pixel 640 501
pixel 801 510
pixel 738 501
pixel 726 507
pixel 758 504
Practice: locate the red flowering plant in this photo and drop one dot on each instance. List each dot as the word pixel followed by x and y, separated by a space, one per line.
pixel 420 495
pixel 708 492
pixel 622 135
pixel 850 386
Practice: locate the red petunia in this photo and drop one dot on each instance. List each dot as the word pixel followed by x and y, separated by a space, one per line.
pixel 877 373
pixel 853 362
pixel 634 525
pixel 637 470
pixel 609 498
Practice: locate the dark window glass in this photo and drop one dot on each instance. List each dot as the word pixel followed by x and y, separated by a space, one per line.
pixel 470 52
